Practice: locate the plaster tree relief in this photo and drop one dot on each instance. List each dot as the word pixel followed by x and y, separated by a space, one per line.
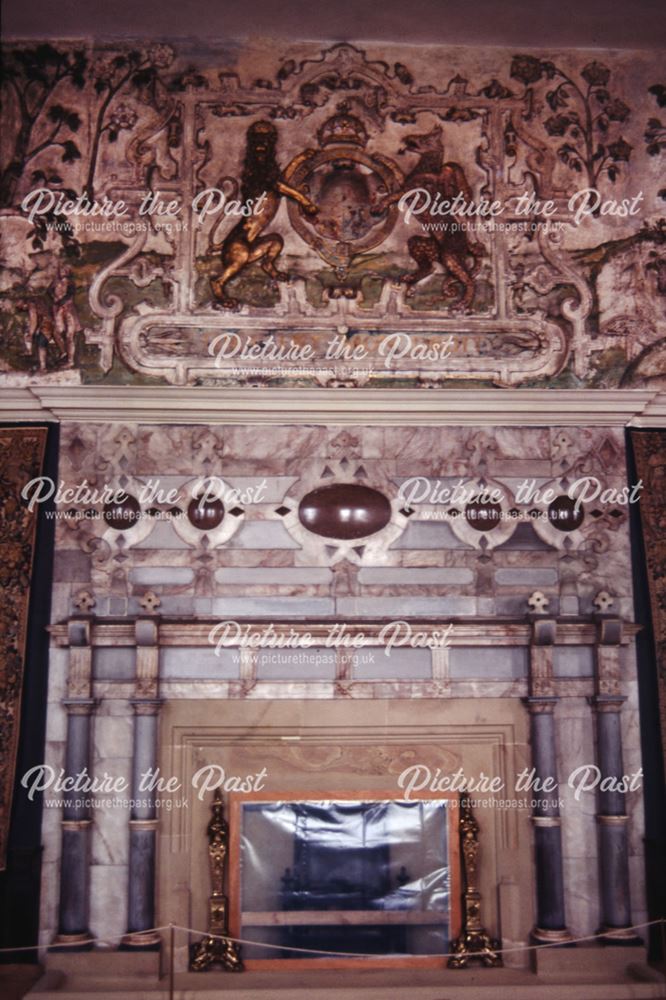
pixel 655 133
pixel 586 117
pixel 332 222
pixel 35 78
pixel 648 357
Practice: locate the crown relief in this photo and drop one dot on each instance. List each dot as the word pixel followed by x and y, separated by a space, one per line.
pixel 343 129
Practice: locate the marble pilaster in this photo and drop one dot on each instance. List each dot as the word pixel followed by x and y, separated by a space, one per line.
pixel 550 924
pixel 74 901
pixel 612 816
pixel 143 819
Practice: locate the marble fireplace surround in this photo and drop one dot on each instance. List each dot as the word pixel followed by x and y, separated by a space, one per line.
pixel 131 624
pixel 353 734
pixel 307 747
pixel 130 651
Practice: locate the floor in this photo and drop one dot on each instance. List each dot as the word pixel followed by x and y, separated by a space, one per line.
pixel 579 974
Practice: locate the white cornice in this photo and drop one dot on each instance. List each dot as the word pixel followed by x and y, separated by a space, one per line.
pixel 654 414
pixel 21 405
pixel 378 407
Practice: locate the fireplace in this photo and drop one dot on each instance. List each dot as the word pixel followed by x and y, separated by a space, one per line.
pixel 333 879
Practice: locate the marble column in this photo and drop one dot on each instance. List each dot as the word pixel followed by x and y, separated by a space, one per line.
pixel 74 905
pixel 551 922
pixel 550 917
pixel 611 817
pixel 143 829
pixel 143 819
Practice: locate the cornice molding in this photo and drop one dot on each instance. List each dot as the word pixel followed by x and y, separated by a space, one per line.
pixel 195 632
pixel 654 414
pixel 22 404
pixel 370 407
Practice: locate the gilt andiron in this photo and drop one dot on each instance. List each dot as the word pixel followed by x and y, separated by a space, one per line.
pixel 473 943
pixel 216 948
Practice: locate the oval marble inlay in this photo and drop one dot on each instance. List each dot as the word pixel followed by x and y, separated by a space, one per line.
pixel 345 511
pixel 205 514
pixel 483 516
pixel 563 515
pixel 123 514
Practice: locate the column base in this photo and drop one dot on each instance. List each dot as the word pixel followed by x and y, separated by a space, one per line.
pixel 543 935
pixel 141 941
pixel 72 942
pixel 622 937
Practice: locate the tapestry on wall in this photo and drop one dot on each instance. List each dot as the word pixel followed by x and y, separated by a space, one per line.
pixel 262 214
pixel 650 452
pixel 21 458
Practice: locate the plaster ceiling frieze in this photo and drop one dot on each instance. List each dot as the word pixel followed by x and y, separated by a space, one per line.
pixel 345 221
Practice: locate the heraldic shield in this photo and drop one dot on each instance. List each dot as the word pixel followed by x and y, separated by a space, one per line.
pixel 345 181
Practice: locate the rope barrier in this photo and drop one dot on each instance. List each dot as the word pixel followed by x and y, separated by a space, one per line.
pixel 352 954
pixel 78 944
pixel 310 951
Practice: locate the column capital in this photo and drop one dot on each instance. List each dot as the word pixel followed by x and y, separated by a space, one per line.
pixel 607 702
pixel 80 706
pixel 146 706
pixel 540 705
